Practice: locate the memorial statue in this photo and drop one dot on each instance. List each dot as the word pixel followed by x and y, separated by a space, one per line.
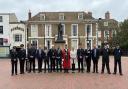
pixel 60 32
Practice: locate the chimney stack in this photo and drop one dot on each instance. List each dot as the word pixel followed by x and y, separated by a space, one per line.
pixel 29 15
pixel 90 14
pixel 107 15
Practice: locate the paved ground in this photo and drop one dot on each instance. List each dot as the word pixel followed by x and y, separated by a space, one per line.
pixel 63 81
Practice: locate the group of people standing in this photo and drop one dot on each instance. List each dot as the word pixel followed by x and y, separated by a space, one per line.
pixel 57 59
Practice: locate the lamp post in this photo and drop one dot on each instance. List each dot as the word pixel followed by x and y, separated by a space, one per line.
pixel 26 34
pixel 88 42
pixel 97 29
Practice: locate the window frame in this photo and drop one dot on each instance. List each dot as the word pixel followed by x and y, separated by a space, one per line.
pixel 61 16
pixel 1 32
pixel 19 37
pixel 72 34
pixel 1 18
pixel 79 17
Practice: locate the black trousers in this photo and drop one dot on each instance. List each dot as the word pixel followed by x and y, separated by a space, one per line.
pixel 32 64
pixel 40 61
pixel 27 64
pixel 52 64
pixel 80 62
pixel 46 63
pixel 22 62
pixel 117 61
pixel 14 67
pixel 88 62
pixel 59 64
pixel 95 65
pixel 105 62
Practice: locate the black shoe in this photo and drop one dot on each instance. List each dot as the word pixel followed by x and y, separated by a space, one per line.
pixel 114 73
pixel 93 72
pixel 97 72
pixel 102 72
pixel 109 72
pixel 121 74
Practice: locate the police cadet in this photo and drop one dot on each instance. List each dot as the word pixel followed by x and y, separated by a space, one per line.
pixel 59 59
pixel 105 59
pixel 39 56
pixel 52 55
pixel 117 59
pixel 22 56
pixel 80 57
pixel 31 57
pixel 13 55
pixel 88 59
pixel 95 58
pixel 46 59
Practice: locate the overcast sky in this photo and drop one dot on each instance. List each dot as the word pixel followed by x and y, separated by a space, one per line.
pixel 117 8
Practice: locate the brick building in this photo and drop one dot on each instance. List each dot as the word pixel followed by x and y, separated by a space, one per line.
pixel 107 28
pixel 43 28
pixel 78 27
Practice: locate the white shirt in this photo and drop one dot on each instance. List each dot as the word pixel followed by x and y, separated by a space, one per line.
pixel 73 54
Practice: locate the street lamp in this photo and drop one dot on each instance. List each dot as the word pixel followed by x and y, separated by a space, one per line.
pixel 97 29
pixel 88 42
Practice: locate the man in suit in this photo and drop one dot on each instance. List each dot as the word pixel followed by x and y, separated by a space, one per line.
pixel 117 59
pixel 105 59
pixel 31 57
pixel 80 57
pixel 88 58
pixel 95 58
pixel 13 55
pixel 59 59
pixel 52 55
pixel 46 59
pixel 22 57
pixel 39 56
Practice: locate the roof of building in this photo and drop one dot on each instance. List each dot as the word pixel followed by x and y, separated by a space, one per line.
pixel 12 17
pixel 68 15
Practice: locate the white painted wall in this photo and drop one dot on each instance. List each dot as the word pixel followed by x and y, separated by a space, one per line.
pixel 17 31
pixel 6 29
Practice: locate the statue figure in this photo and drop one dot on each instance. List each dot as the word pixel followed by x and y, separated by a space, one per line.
pixel 60 32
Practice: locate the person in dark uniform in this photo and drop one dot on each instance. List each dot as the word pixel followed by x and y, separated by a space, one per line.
pixel 46 59
pixel 105 59
pixel 14 60
pixel 117 59
pixel 88 59
pixel 95 58
pixel 52 55
pixel 22 57
pixel 31 57
pixel 80 57
pixel 39 56
pixel 59 59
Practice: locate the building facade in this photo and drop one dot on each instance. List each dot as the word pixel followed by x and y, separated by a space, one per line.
pixel 107 29
pixel 12 33
pixel 78 28
pixel 17 34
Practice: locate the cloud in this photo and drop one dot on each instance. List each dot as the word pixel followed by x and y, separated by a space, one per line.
pixel 98 7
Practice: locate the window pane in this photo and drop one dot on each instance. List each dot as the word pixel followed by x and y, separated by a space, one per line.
pixel 1 41
pixel 74 30
pixel 1 19
pixel 88 30
pixel 1 29
pixel 18 38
